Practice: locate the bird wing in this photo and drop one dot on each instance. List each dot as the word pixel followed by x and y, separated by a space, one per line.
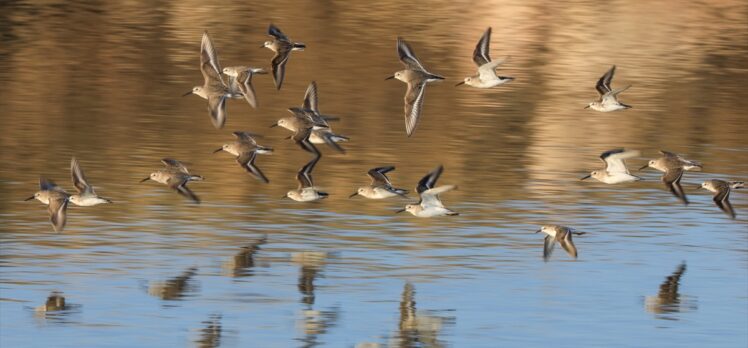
pixel 279 65
pixel 407 56
pixel 481 55
pixel 429 181
pixel 247 161
pixel 568 245
pixel 413 105
pixel 614 160
pixel 304 176
pixel 722 200
pixel 603 84
pixel 244 83
pixel 277 33
pixel 186 192
pixel 671 178
pixel 209 65
pixel 174 165
pixel 217 108
pixel 311 98
pixel 548 245
pixel 246 137
pixel 488 71
pixel 79 179
pixel 430 197
pixel 379 175
pixel 58 212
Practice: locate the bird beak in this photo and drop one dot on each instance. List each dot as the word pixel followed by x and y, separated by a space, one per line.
pixel 288 137
pixel 351 196
pixel 697 187
pixel 538 231
pixel 586 177
pixel 284 197
pixel 30 198
pixel 460 83
pixel 399 211
pixel 390 78
pixel 219 149
pixel 645 167
pixel 274 125
pixel 146 179
pixel 186 94
pixel 261 46
pixel 587 107
pixel 260 71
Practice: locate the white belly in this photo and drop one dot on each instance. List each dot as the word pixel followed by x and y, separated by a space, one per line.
pixel 88 201
pixel 434 211
pixel 619 178
pixel 379 193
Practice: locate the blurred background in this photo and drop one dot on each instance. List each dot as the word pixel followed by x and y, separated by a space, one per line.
pixel 102 81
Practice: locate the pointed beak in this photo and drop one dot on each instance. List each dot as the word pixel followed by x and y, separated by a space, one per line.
pixel 645 167
pixel 30 198
pixel 697 187
pixel 390 78
pixel 261 46
pixel 586 177
pixel 587 107
pixel 351 196
pixel 146 179
pixel 260 71
pixel 538 231
pixel 186 94
pixel 274 125
pixel 460 83
pixel 218 150
pixel 284 197
pixel 399 211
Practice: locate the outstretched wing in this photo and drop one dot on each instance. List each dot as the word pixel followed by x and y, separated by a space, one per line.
pixel 217 109
pixel 209 65
pixel 379 175
pixel 174 165
pixel 413 105
pixel 58 212
pixel 481 56
pixel 244 82
pixel 568 245
pixel 722 199
pixel 407 56
pixel 311 98
pixel 247 137
pixel 279 65
pixel 671 178
pixel 430 197
pixel 277 33
pixel 614 160
pixel 603 84
pixel 429 181
pixel 247 161
pixel 548 245
pixel 79 179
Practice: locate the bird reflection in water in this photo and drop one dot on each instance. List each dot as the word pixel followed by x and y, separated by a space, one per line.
pixel 174 288
pixel 668 300
pixel 210 334
pixel 312 322
pixel 241 264
pixel 417 329
pixel 55 308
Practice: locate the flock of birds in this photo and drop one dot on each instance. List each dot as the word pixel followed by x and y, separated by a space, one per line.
pixel 310 127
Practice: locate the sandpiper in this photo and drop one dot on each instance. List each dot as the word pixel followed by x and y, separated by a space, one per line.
pixel 560 234
pixel 721 190
pixel 56 200
pixel 614 171
pixel 430 205
pixel 416 76
pixel 240 79
pixel 305 121
pixel 670 159
pixel 246 149
pixel 306 192
pixel 673 166
pixel 608 100
pixel 282 46
pixel 380 186
pixel 321 135
pixel 213 89
pixel 86 195
pixel 176 176
pixel 487 76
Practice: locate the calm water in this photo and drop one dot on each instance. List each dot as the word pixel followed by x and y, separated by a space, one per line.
pixel 103 83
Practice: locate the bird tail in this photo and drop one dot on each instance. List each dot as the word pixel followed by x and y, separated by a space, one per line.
pixel 298 46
